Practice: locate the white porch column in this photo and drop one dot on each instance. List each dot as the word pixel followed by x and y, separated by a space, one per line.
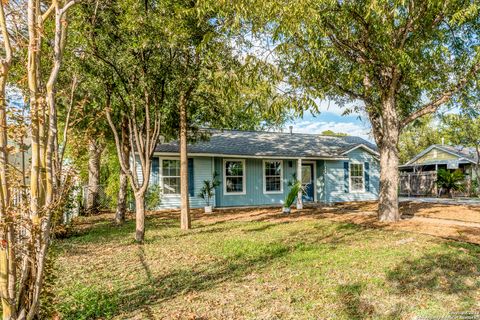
pixel 299 177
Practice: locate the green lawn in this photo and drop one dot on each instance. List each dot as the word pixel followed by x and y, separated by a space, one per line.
pixel 306 269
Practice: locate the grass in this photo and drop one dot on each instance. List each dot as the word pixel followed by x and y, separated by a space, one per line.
pixel 306 269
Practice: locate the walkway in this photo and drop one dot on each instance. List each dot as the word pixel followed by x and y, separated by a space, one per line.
pixel 450 201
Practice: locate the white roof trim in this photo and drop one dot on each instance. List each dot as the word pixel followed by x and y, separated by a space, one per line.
pixel 363 147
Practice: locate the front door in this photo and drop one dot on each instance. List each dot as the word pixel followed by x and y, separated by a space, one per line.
pixel 307 181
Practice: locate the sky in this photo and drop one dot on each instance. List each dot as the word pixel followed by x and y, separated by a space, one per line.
pixel 331 118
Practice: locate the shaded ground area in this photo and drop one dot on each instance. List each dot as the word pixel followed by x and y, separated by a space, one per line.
pixel 327 263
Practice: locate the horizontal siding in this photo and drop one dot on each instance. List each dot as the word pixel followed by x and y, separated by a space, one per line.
pixel 329 182
pixel 334 179
pixel 435 155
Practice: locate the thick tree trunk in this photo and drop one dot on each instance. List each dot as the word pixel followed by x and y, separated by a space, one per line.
pixel 139 217
pixel 389 160
pixel 94 158
pixel 185 220
pixel 389 180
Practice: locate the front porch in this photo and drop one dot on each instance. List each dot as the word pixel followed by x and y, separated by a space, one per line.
pixel 420 180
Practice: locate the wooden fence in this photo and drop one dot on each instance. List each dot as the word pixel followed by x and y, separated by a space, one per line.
pixel 418 183
pixel 424 184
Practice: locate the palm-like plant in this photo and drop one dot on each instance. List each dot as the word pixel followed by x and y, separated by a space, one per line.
pixel 450 181
pixel 296 186
pixel 208 190
pixel 293 194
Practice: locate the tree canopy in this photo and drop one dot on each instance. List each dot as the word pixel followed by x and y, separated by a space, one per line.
pixel 395 60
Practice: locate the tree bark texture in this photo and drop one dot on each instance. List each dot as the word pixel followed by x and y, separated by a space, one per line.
pixel 95 150
pixel 139 217
pixel 122 191
pixel 389 177
pixel 185 219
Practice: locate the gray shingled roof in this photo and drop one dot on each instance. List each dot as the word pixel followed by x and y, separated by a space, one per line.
pixel 259 143
pixel 469 154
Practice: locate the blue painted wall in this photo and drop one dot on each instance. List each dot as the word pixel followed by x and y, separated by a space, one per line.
pixel 335 180
pixel 329 182
pixel 254 185
pixel 203 170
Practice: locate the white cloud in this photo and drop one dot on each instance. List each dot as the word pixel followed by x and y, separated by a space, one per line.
pixel 316 127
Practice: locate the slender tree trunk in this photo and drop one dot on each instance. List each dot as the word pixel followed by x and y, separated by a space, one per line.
pixel 139 217
pixel 389 160
pixel 185 220
pixel 122 192
pixel 94 158
pixel 477 169
pixel 5 249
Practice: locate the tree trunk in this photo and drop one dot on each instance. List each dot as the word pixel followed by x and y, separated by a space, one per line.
pixel 122 199
pixel 389 160
pixel 185 220
pixel 388 200
pixel 122 192
pixel 94 158
pixel 139 217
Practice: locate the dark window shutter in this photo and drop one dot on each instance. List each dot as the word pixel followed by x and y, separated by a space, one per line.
pixel 155 174
pixel 345 176
pixel 367 176
pixel 191 183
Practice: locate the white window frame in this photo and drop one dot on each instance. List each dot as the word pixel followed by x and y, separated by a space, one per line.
pixel 265 177
pixel 244 177
pixel 350 177
pixel 162 176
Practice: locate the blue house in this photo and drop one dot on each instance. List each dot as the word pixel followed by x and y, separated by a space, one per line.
pixel 255 168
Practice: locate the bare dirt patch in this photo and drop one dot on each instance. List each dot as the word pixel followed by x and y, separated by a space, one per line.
pixel 458 222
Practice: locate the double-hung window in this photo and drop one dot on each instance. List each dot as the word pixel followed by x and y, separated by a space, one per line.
pixel 234 176
pixel 171 176
pixel 357 182
pixel 272 176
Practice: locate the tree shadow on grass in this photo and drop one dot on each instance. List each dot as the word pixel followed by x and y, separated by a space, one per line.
pixel 453 270
pixel 352 303
pixel 199 277
pixel 239 261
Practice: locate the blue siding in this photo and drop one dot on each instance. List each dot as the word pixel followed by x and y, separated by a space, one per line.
pixel 329 182
pixel 203 170
pixel 321 195
pixel 254 185
pixel 335 175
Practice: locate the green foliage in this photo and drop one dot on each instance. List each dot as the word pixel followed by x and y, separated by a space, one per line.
pixel 296 186
pixel 110 174
pixel 461 128
pixel 418 136
pixel 450 181
pixel 153 197
pixel 333 133
pixel 88 302
pixel 208 189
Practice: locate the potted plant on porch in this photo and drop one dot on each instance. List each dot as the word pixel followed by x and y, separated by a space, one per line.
pixel 208 191
pixel 296 186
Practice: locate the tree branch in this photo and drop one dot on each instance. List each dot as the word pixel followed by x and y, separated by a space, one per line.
pixel 445 97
